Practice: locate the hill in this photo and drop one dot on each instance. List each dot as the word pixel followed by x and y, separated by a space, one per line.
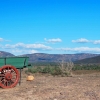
pixel 6 54
pixel 93 60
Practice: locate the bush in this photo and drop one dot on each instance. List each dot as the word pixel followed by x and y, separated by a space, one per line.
pixel 86 67
pixel 48 70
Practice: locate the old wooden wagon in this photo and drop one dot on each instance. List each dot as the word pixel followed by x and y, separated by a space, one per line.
pixel 10 70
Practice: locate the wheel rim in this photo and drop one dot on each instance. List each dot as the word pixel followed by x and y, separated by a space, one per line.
pixel 9 76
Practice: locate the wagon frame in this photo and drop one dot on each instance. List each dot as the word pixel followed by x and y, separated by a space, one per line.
pixel 10 70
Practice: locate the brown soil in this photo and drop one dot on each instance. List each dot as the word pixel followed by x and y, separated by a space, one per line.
pixel 46 87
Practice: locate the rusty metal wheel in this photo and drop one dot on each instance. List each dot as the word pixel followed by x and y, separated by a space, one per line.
pixel 9 76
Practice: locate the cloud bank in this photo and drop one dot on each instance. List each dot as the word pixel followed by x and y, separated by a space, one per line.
pixel 28 46
pixel 83 40
pixel 22 48
pixel 81 49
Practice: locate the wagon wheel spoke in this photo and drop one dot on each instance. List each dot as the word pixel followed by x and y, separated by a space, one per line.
pixel 14 75
pixel 2 75
pixel 8 67
pixel 12 81
pixel 3 71
pixel 6 83
pixel 3 82
pixel 12 71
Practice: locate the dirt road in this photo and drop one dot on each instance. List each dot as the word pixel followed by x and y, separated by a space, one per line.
pixel 47 87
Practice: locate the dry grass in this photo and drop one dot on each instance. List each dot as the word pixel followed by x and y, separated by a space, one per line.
pixel 83 85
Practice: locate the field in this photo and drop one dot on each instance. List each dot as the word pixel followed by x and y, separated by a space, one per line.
pixel 83 85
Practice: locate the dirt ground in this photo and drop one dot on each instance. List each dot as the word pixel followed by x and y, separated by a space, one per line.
pixel 47 87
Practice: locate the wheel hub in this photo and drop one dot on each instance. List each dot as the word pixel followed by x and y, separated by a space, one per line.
pixel 8 76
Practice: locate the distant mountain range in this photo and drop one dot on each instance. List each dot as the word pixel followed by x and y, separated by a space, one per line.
pixel 42 57
pixel 93 60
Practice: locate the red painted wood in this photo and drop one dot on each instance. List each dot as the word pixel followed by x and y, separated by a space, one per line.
pixel 9 76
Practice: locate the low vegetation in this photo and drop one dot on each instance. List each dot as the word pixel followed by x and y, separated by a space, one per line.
pixel 63 69
pixel 86 67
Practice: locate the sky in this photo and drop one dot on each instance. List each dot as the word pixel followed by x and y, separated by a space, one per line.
pixel 50 26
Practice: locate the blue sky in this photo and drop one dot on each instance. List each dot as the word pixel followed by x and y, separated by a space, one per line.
pixel 50 26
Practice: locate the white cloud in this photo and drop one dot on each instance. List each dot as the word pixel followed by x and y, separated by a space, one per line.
pixel 1 39
pixel 81 40
pixel 23 51
pixel 81 49
pixel 96 42
pixel 28 46
pixel 33 51
pixel 53 40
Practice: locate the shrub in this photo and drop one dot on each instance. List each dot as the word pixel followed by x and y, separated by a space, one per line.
pixel 62 68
